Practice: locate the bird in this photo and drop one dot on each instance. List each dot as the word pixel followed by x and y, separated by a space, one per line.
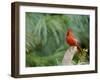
pixel 71 39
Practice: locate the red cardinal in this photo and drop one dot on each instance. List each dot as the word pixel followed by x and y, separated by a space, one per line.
pixel 71 40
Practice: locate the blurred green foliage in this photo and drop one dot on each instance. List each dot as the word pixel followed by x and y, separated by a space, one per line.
pixel 81 57
pixel 45 37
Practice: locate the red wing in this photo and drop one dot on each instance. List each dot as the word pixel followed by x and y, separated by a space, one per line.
pixel 71 41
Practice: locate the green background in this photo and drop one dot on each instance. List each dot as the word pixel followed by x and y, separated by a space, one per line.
pixel 46 37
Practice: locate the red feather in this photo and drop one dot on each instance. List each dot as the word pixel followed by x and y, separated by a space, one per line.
pixel 71 40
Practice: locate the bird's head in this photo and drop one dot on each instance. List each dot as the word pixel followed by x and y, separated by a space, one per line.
pixel 69 31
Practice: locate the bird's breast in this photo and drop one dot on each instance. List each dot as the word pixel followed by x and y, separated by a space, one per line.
pixel 71 41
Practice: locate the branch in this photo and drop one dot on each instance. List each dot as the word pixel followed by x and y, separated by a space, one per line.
pixel 68 56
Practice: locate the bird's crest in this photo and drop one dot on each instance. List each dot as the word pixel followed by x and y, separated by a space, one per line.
pixel 69 31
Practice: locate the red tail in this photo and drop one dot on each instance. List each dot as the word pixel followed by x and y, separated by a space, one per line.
pixel 79 48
